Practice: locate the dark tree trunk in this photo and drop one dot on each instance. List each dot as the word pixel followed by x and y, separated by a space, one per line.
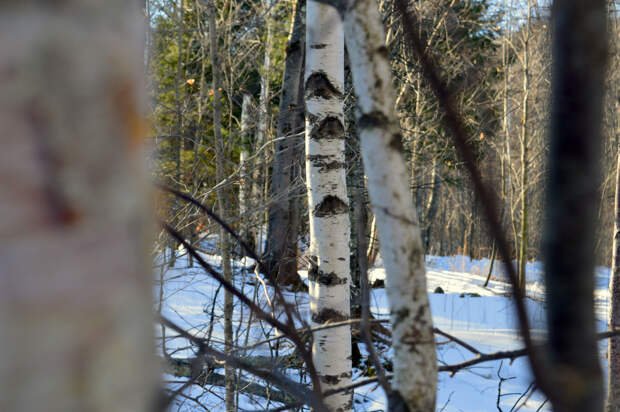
pixel 283 228
pixel 579 55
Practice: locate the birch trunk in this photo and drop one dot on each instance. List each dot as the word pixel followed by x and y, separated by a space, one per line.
pixel 613 388
pixel 415 359
pixel 327 199
pixel 524 153
pixel 222 197
pixel 432 204
pixel 75 284
pixel 282 231
pixel 245 186
pixel 260 170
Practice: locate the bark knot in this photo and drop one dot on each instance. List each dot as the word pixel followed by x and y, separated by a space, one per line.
pixel 330 206
pixel 329 128
pixel 326 279
pixel 319 85
pixel 334 379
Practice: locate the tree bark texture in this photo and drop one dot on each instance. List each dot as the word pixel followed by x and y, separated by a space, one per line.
pixel 76 321
pixel 282 231
pixel 415 359
pixel 579 56
pixel 524 154
pixel 613 387
pixel 260 170
pixel 327 198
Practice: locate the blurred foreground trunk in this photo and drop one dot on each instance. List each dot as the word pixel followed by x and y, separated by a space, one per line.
pixel 75 285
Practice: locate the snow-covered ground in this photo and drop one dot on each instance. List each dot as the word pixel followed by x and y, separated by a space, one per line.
pixel 482 317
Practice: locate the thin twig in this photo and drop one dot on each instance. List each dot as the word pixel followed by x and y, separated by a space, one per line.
pixel 272 376
pixel 287 329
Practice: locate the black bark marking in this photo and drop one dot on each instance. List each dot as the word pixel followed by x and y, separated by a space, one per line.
pixel 330 206
pixel 400 315
pixel 329 128
pixel 318 85
pixel 419 316
pixel 396 142
pixel 373 119
pixel 330 379
pixel 321 162
pixel 313 272
pixel 326 279
pixel 334 379
pixel 328 315
pixel 318 46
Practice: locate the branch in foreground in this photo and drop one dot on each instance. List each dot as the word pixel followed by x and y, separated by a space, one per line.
pixel 483 357
pixel 289 332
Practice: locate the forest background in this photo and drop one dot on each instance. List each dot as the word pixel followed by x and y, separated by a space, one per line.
pixel 229 95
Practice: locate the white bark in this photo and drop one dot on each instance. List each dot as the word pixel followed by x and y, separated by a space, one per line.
pixel 263 116
pixel 613 387
pixel 415 359
pixel 327 198
pixel 244 184
pixel 75 285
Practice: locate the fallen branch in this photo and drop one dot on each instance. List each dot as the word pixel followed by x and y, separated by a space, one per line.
pixel 206 376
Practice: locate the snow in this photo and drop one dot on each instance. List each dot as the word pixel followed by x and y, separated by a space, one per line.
pixel 481 316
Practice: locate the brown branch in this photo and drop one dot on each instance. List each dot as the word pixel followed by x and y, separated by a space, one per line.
pixel 272 376
pixel 203 376
pixel 486 195
pixel 483 357
pixel 286 329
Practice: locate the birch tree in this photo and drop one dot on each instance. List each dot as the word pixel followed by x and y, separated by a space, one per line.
pixel 415 359
pixel 245 187
pixel 327 198
pixel 613 388
pixel 75 286
pixel 260 170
